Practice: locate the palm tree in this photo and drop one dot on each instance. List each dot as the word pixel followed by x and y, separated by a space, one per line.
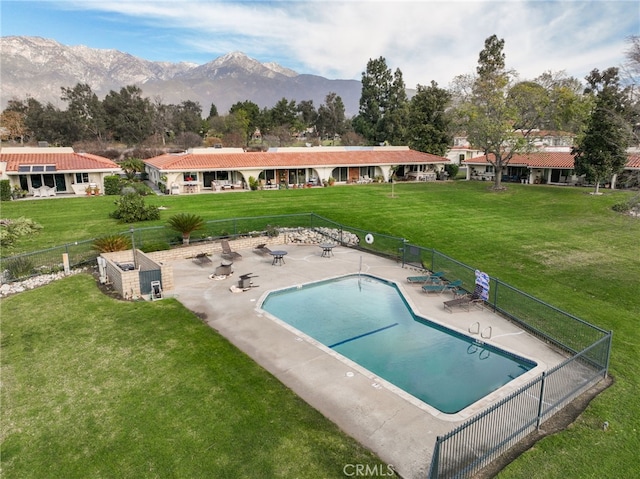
pixel 186 224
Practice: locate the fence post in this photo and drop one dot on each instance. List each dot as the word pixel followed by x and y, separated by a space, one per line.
pixel 541 400
pixel 404 252
pixel 495 297
pixel 435 459
pixel 65 263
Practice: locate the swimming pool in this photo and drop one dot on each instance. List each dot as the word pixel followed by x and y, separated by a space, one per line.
pixel 368 321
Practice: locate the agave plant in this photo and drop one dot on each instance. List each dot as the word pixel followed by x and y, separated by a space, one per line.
pixel 111 243
pixel 185 223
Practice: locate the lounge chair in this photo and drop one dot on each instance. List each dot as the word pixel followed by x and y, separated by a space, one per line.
pixel 201 259
pixel 442 287
pixel 262 249
pixel 463 303
pixel 428 278
pixel 227 253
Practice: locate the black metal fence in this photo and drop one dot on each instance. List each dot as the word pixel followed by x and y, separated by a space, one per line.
pixel 475 443
pixel 472 445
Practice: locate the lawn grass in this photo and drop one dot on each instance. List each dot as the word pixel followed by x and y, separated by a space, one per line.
pixel 560 244
pixel 95 387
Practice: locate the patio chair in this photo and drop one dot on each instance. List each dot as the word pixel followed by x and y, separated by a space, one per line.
pixel 227 253
pixel 428 278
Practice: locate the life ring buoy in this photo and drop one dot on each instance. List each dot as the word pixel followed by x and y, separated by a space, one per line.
pixel 369 238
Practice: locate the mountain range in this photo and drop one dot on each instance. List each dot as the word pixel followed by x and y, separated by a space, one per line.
pixel 38 68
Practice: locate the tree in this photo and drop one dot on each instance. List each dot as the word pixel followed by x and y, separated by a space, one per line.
pixel 632 69
pixel 12 125
pixel 429 124
pixel 85 111
pixel 129 115
pixel 307 113
pixel 185 224
pixel 247 119
pixel 284 113
pixel 188 139
pixel 131 167
pixel 567 108
pixel 383 104
pixel 498 124
pixel 187 117
pixel 602 150
pixel 213 111
pixel 331 117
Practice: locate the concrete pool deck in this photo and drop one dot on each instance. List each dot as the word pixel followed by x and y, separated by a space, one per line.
pixel 399 428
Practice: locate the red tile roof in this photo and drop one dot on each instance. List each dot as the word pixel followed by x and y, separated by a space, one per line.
pixel 291 159
pixel 634 162
pixel 544 159
pixel 64 161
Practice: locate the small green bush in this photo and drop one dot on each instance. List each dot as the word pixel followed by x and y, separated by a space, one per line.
pixel 253 183
pixel 11 230
pixel 5 190
pixel 112 185
pixel 271 231
pixel 20 267
pixel 452 170
pixel 131 208
pixel 622 207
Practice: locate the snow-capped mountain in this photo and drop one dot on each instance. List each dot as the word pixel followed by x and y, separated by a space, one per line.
pixel 38 68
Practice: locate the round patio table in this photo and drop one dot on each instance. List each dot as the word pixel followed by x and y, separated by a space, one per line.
pixel 278 257
pixel 327 249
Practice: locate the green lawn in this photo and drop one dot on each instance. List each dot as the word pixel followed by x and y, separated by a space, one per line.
pixel 94 387
pixel 561 245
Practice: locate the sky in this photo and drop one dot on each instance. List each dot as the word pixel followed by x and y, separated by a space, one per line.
pixel 427 40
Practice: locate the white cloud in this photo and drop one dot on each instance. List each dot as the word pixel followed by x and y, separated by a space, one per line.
pixel 427 40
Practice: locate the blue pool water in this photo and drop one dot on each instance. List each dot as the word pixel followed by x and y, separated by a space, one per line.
pixel 368 321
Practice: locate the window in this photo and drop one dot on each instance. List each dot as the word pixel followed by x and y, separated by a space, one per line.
pixel 82 177
pixel 35 168
pixel 340 174
pixel 190 176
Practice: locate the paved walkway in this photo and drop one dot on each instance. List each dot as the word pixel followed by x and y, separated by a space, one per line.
pixel 399 428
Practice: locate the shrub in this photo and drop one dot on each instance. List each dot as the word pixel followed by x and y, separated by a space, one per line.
pixel 271 231
pixel 139 188
pixel 130 208
pixel 622 207
pixel 452 170
pixel 111 243
pixel 20 267
pixel 5 190
pixel 112 185
pixel 253 183
pixel 11 230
